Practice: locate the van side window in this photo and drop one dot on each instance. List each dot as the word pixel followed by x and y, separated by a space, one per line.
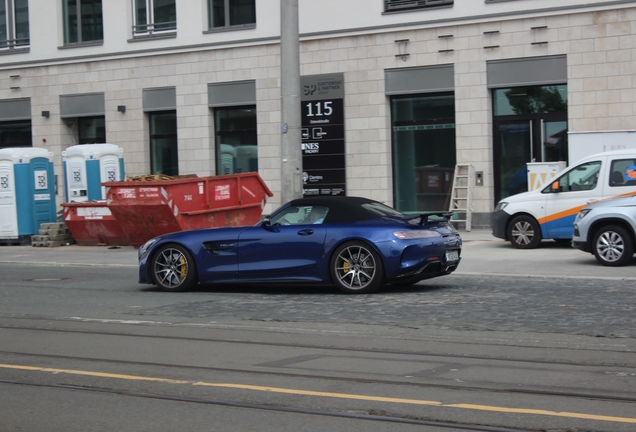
pixel 623 172
pixel 582 177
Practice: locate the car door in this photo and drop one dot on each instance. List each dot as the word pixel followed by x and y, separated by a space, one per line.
pixel 566 195
pixel 277 250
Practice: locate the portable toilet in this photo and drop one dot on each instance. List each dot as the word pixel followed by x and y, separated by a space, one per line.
pixel 228 156
pixel 27 192
pixel 87 166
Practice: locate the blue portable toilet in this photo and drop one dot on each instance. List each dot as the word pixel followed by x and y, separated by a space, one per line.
pixel 27 192
pixel 87 166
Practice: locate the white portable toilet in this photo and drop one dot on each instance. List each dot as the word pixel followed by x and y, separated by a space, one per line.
pixel 27 192
pixel 87 166
pixel 228 154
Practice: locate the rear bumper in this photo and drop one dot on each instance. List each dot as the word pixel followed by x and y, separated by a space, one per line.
pixel 429 270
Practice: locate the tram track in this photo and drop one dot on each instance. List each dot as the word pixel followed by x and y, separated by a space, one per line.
pixel 322 376
pixel 321 347
pixel 369 416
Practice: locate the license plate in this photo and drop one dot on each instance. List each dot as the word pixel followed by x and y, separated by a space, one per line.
pixel 452 256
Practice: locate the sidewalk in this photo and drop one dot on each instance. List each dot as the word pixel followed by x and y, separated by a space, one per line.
pixel 482 254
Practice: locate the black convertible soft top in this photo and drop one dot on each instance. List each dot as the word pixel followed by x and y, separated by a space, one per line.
pixel 347 208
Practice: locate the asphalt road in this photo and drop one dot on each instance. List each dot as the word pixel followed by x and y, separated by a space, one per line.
pixel 532 340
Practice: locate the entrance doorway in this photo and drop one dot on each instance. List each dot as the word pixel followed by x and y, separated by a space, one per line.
pixel 530 125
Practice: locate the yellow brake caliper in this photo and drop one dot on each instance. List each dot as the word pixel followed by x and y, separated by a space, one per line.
pixel 346 266
pixel 183 267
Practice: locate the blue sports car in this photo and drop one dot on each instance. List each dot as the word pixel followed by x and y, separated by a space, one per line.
pixel 355 243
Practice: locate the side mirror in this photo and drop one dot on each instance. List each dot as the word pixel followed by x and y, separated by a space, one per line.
pixel 265 220
pixel 554 187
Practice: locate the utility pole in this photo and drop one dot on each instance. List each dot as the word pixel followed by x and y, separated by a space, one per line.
pixel 292 162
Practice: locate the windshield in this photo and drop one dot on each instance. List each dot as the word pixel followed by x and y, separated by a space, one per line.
pixel 582 177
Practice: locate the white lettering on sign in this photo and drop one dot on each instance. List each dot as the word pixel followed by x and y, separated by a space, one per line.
pixel 221 192
pixel 127 193
pixel 149 192
pixel 313 147
pixel 41 197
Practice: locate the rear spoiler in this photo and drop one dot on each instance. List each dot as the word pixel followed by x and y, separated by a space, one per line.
pixel 445 215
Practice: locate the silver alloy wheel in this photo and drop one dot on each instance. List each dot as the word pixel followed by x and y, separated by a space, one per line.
pixel 355 267
pixel 171 268
pixel 523 233
pixel 610 246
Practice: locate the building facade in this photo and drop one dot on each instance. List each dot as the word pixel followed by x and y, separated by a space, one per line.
pixel 394 93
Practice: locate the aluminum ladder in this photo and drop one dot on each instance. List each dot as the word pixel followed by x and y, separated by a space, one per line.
pixel 461 194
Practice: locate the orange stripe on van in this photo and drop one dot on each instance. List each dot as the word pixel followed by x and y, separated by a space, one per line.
pixel 559 215
pixel 575 210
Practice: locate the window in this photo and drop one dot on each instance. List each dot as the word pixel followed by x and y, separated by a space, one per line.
pixel 235 137
pixel 14 24
pixel 83 21
pixel 15 134
pixel 164 154
pixel 423 138
pixel 155 16
pixel 231 13
pixel 91 130
pixel 623 172
pixel 530 100
pixel 407 5
pixel 581 178
pixel 301 215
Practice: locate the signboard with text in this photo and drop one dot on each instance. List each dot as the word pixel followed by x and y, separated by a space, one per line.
pixel 323 143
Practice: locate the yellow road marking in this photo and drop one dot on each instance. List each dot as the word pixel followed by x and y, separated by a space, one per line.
pixel 328 394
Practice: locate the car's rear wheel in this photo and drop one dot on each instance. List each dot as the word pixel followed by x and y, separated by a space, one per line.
pixel 173 268
pixel 356 268
pixel 613 246
pixel 524 232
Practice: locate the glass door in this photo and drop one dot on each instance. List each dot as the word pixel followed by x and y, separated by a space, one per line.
pixel 522 141
pixel 529 125
pixel 516 149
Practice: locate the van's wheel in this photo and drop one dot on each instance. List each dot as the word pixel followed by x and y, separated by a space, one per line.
pixel 356 268
pixel 173 268
pixel 613 246
pixel 524 232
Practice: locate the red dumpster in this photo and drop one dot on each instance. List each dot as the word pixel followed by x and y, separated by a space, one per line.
pixel 150 208
pixel 92 224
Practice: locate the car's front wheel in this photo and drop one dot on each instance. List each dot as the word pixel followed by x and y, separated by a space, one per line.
pixel 524 232
pixel 173 268
pixel 356 268
pixel 613 246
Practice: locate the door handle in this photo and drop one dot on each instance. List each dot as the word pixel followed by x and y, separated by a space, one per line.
pixel 305 232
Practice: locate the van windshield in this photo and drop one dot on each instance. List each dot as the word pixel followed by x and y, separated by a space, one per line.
pixel 580 178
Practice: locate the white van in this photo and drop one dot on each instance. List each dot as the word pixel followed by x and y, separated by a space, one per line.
pixel 548 212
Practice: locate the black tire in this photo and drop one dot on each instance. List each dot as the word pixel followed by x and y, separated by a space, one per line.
pixel 524 232
pixel 613 246
pixel 356 268
pixel 173 269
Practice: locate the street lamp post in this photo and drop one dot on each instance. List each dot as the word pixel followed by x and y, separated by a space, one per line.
pixel 291 152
